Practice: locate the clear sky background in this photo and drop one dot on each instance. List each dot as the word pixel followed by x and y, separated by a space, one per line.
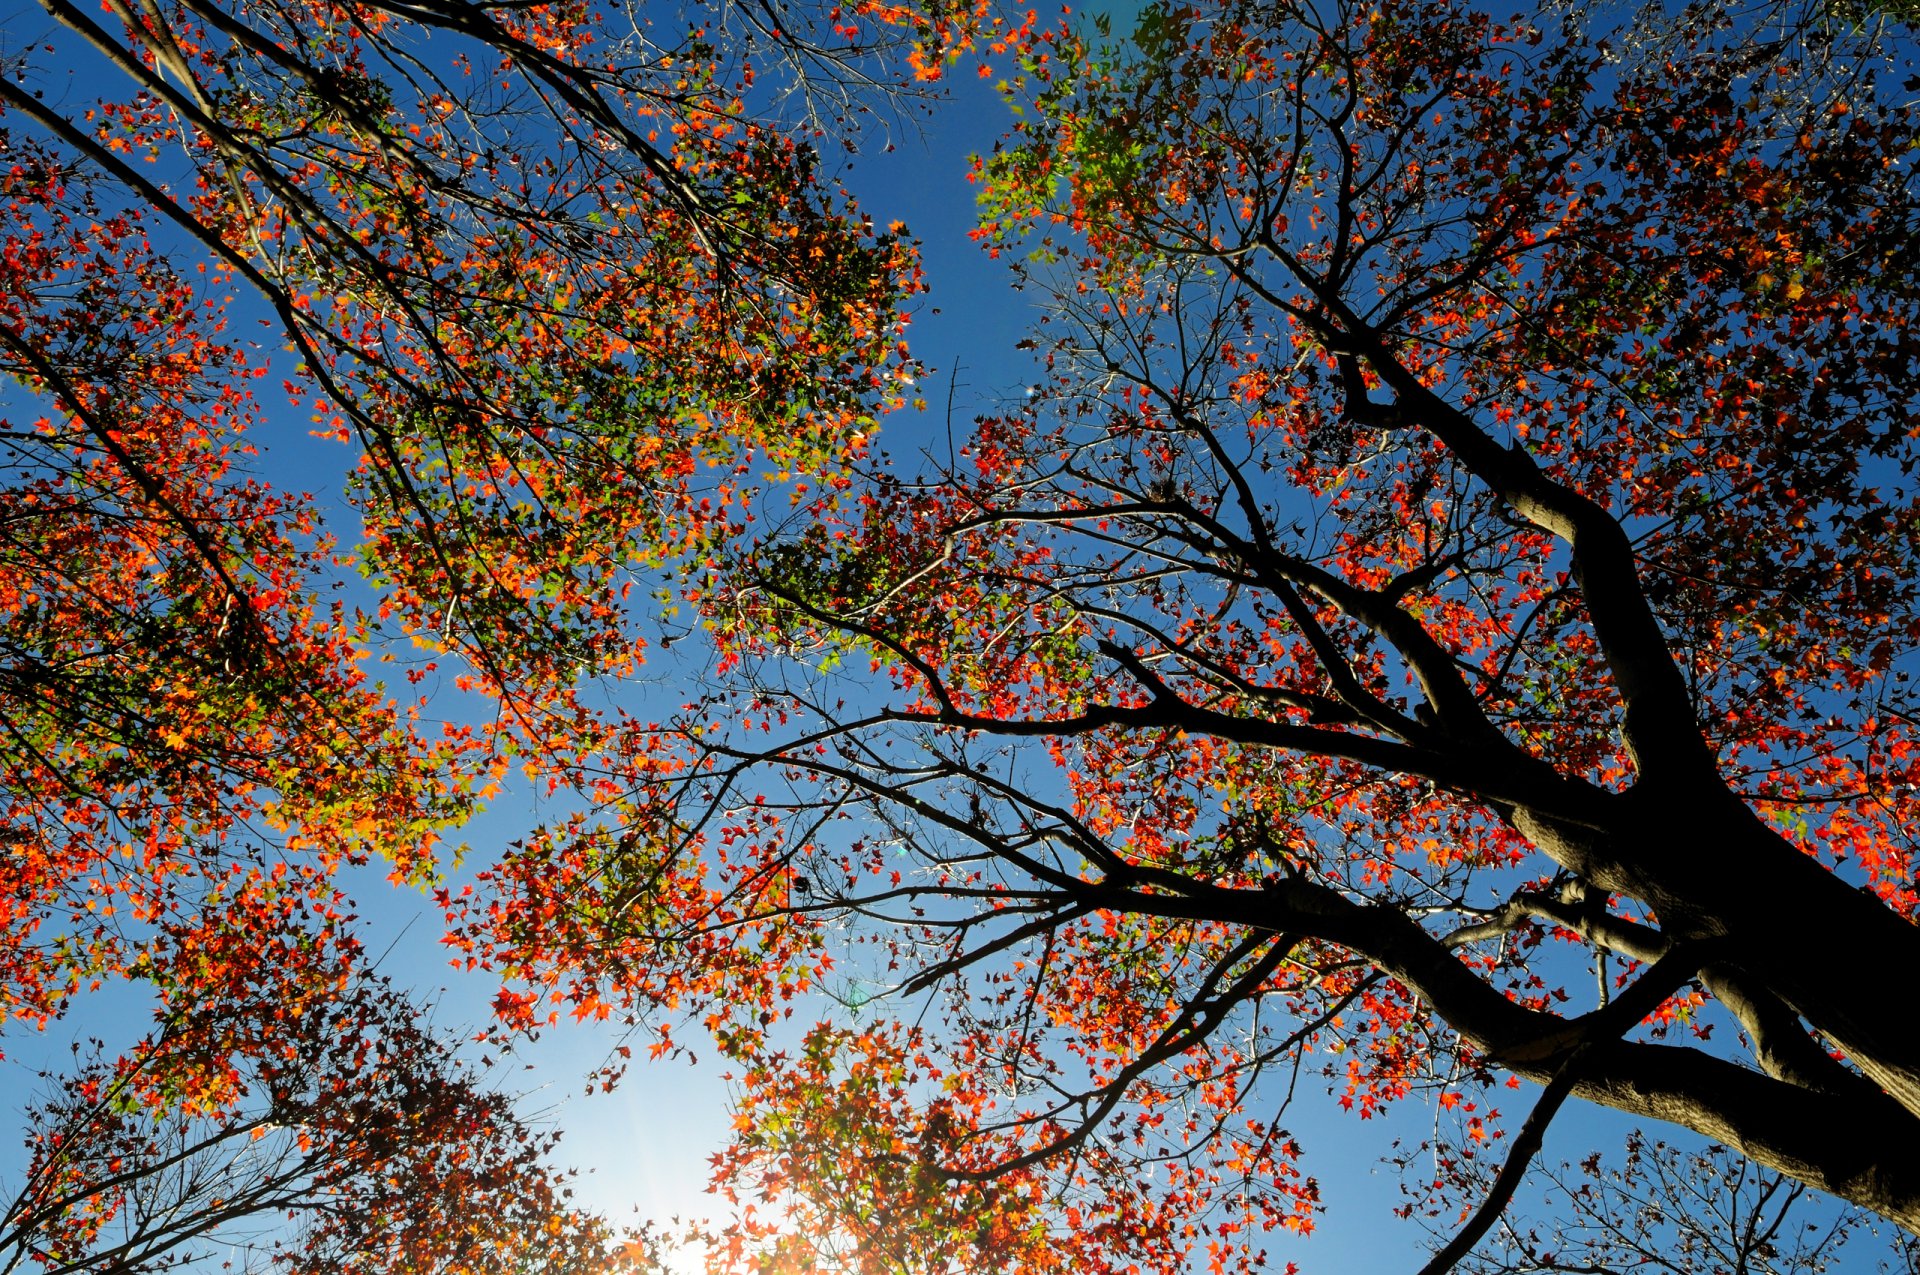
pixel 645 1147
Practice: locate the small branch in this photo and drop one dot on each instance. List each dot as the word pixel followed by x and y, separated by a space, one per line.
pixel 1594 1032
pixel 1525 1147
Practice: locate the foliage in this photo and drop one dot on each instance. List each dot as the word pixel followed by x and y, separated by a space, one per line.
pixel 555 302
pixel 291 1130
pixel 1463 537
pixel 1464 533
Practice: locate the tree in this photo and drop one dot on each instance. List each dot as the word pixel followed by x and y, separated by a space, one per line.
pixel 543 324
pixel 1664 1209
pixel 291 1131
pixel 1464 533
pixel 561 297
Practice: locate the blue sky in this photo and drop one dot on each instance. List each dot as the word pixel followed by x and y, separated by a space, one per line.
pixel 645 1146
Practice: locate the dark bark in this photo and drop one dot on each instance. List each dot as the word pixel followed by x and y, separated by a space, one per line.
pixel 1846 1139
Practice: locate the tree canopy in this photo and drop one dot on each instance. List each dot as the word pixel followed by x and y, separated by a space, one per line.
pixel 1443 617
pixel 561 299
pixel 1462 540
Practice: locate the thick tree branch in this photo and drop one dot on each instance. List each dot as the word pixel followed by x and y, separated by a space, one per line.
pixel 1781 1046
pixel 1848 1144
pixel 1661 730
